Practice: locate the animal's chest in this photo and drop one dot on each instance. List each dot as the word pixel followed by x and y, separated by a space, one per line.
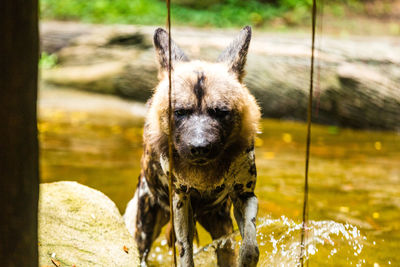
pixel 239 177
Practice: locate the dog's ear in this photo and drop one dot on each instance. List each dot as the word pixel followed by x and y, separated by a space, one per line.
pixel 161 45
pixel 236 53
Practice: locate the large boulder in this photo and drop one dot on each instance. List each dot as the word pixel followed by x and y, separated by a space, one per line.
pixel 356 80
pixel 80 226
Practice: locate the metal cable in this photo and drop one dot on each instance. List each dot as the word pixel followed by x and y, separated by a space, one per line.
pixel 303 251
pixel 170 131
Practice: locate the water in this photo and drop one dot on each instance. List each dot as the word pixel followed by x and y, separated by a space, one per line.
pixel 279 244
pixel 354 185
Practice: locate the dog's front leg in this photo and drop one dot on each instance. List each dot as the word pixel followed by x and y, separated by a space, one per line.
pixel 245 211
pixel 184 227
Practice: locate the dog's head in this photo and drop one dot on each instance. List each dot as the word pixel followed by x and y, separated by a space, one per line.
pixel 212 109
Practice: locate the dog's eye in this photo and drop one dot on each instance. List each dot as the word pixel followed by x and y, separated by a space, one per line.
pixel 219 113
pixel 182 112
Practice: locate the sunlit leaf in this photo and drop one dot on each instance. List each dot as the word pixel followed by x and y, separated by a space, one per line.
pixel 258 142
pixel 344 209
pixel 287 137
pixel 56 262
pixel 116 129
pixel 378 145
pixel 268 155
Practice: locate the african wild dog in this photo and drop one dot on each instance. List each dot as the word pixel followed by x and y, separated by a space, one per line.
pixel 215 122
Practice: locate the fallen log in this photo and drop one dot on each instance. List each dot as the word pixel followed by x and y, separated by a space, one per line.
pixel 356 79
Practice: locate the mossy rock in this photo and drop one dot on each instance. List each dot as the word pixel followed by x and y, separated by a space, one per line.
pixel 80 226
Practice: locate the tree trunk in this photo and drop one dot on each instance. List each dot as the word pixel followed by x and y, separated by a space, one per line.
pixel 19 178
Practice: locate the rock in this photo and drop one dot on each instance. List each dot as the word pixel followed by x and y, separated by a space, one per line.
pixel 67 105
pixel 52 39
pixel 99 77
pixel 138 80
pixel 80 226
pixel 108 60
pixel 356 80
pixel 360 104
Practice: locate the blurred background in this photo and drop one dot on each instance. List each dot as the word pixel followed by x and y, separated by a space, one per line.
pixel 98 69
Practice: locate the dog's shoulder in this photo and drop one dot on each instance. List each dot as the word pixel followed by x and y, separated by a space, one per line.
pixel 242 174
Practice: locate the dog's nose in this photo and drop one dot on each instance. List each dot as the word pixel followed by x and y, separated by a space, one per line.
pixel 200 151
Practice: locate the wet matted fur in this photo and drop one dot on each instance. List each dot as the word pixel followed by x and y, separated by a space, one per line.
pixel 215 123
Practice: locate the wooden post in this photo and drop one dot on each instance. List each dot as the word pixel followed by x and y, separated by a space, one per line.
pixel 19 177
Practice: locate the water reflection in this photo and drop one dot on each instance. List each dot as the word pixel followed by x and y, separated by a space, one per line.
pixel 354 185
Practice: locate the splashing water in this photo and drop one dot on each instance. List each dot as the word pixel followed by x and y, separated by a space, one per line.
pixel 328 243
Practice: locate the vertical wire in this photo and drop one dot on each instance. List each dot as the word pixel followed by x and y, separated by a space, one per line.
pixel 303 251
pixel 320 20
pixel 170 131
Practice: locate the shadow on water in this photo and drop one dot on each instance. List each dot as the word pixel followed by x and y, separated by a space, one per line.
pixel 354 184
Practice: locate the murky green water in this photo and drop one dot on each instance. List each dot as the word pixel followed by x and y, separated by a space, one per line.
pixel 354 185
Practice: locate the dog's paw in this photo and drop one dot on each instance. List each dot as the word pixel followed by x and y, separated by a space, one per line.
pixel 248 255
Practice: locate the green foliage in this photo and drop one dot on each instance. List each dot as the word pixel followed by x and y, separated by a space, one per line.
pixel 47 61
pixel 289 4
pixel 216 13
pixel 226 13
